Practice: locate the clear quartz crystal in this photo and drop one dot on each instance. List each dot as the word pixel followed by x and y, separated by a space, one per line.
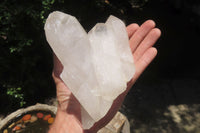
pixel 97 65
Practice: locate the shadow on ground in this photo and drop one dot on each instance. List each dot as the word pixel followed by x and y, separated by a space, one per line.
pixel 169 106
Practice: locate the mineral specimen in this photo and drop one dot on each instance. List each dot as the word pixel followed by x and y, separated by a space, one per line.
pixel 97 65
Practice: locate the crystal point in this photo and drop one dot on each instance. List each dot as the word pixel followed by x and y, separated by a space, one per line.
pixel 97 65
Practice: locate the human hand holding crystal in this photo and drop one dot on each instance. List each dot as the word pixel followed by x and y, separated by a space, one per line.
pixel 68 117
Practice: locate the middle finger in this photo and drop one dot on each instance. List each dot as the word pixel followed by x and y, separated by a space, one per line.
pixel 140 34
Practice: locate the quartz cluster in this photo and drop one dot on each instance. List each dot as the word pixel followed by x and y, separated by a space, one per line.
pixel 97 65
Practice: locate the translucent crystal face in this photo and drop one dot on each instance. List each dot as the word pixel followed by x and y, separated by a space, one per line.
pixel 97 65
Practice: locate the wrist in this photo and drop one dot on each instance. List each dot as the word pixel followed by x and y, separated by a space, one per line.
pixel 65 123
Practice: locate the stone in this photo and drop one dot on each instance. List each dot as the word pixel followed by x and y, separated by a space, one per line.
pixel 5 131
pixel 96 66
pixel 33 118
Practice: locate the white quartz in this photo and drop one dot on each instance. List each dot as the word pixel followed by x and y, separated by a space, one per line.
pixel 97 65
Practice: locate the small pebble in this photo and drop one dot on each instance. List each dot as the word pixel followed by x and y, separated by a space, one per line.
pixel 11 125
pixel 26 117
pixel 16 128
pixel 51 120
pixel 47 117
pixel 5 131
pixel 40 115
pixel 33 119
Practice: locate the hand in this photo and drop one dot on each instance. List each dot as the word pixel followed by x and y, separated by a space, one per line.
pixel 68 117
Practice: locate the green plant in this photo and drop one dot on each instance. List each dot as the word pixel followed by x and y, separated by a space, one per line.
pixel 25 56
pixel 16 95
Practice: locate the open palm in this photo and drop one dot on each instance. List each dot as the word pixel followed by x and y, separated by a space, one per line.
pixel 141 39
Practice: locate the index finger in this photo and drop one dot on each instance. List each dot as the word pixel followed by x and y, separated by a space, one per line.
pixel 131 29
